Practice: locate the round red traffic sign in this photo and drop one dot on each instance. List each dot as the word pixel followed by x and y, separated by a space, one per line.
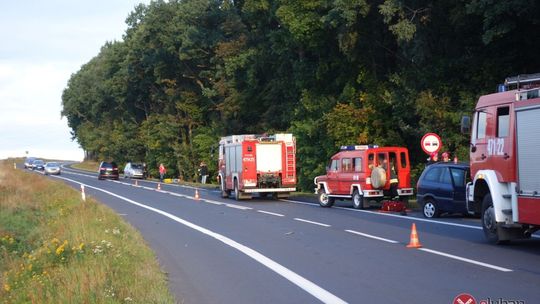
pixel 464 298
pixel 431 142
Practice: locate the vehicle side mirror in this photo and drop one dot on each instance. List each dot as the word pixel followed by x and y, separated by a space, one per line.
pixel 465 124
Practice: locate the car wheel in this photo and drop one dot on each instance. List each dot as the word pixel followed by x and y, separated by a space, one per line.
pixel 357 199
pixel 430 209
pixel 324 200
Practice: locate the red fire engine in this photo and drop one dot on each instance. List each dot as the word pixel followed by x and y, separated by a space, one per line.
pixel 365 173
pixel 257 164
pixel 505 160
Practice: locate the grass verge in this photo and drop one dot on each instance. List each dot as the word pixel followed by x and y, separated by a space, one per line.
pixel 54 248
pixel 87 166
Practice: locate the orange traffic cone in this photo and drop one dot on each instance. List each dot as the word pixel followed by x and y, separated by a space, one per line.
pixel 159 186
pixel 197 197
pixel 415 242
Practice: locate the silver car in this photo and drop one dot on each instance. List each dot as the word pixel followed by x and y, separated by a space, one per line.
pixel 133 170
pixel 52 168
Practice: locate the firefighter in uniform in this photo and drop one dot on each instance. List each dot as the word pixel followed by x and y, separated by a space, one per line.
pixel 393 180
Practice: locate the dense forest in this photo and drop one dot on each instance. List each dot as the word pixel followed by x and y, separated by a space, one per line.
pixel 332 72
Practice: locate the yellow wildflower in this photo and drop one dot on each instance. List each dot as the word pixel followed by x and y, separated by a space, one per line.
pixel 7 287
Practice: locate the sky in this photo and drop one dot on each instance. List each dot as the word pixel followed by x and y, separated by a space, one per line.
pixel 42 43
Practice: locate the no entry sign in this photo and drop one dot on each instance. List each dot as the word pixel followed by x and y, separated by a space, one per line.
pixel 431 142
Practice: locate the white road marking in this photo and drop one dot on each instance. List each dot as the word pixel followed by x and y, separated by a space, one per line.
pixel 372 237
pixel 212 202
pixel 311 222
pixel 271 213
pixel 308 286
pixel 391 215
pixel 238 207
pixel 455 257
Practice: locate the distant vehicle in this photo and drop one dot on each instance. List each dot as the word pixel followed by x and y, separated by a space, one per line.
pixel 28 162
pixel 365 173
pixel 442 189
pixel 262 164
pixel 108 170
pixel 52 168
pixel 38 164
pixel 134 170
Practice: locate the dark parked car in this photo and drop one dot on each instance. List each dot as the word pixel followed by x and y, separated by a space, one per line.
pixel 108 170
pixel 38 165
pixel 442 189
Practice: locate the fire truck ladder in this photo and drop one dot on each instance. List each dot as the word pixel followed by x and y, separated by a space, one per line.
pixel 530 79
pixel 290 160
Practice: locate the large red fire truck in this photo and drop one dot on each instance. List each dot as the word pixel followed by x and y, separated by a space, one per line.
pixel 264 164
pixel 365 173
pixel 505 160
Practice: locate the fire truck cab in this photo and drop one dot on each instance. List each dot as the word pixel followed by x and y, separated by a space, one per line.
pixel 263 164
pixel 365 173
pixel 505 160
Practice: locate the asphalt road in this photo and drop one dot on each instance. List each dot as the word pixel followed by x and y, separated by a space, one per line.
pixel 293 251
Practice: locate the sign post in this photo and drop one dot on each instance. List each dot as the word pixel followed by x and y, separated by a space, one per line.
pixel 431 143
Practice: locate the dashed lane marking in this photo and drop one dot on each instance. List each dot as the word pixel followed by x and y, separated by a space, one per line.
pixel 311 222
pixel 455 257
pixel 270 213
pixel 391 215
pixel 372 236
pixel 238 207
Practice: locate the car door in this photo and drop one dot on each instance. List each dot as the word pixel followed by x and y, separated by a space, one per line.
pixel 345 177
pixel 332 176
pixel 445 193
pixel 459 177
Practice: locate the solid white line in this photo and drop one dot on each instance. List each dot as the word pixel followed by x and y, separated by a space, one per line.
pixel 373 237
pixel 311 222
pixel 467 260
pixel 238 207
pixel 271 213
pixel 310 287
pixel 391 215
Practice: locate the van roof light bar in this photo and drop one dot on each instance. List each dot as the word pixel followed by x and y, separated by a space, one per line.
pixel 357 147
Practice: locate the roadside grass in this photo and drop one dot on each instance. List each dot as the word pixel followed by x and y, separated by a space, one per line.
pixel 87 166
pixel 54 248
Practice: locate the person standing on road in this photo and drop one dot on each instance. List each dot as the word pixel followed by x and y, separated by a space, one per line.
pixel 203 171
pixel 162 172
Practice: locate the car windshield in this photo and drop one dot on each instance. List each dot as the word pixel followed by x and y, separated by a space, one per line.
pixel 107 165
pixel 38 162
pixel 51 164
pixel 136 166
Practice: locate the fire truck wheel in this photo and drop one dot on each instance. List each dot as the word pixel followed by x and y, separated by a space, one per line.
pixel 236 190
pixel 378 177
pixel 224 192
pixel 489 225
pixel 324 200
pixel 358 200
pixel 430 209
